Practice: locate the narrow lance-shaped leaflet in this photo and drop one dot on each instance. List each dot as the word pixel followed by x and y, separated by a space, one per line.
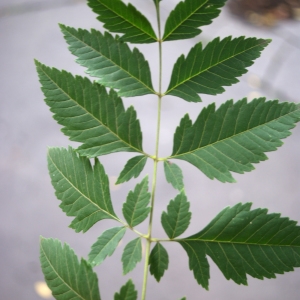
pixel 126 19
pixel 89 114
pixel 110 60
pixel 208 70
pixel 184 21
pixel 242 241
pixel 82 189
pixel 233 137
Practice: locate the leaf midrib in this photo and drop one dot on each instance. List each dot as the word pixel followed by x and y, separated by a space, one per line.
pixel 120 67
pixel 89 113
pixel 72 185
pixel 208 241
pixel 184 20
pixel 134 25
pixel 54 269
pixel 207 69
pixel 228 138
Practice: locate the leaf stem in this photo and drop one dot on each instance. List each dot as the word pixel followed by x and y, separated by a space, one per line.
pixel 156 160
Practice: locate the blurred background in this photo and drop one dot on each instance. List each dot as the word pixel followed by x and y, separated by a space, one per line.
pixel 28 30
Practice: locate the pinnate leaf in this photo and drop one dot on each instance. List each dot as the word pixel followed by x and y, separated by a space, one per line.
pixel 132 255
pixel 242 241
pixel 66 277
pixel 206 71
pixel 122 18
pixel 89 114
pixel 188 15
pixel 106 245
pixel 158 261
pixel 83 189
pixel 177 218
pixel 127 292
pixel 133 168
pixel 135 209
pixel 234 136
pixel 111 61
pixel 173 175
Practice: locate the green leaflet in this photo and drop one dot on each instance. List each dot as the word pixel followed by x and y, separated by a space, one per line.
pixel 122 18
pixel 174 175
pixel 89 114
pixel 66 277
pixel 83 189
pixel 177 218
pixel 106 245
pixel 132 255
pixel 206 71
pixel 111 61
pixel 234 136
pixel 241 241
pixel 127 292
pixel 188 15
pixel 133 168
pixel 135 209
pixel 158 261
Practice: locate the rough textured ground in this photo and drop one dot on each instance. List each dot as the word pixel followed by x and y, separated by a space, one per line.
pixel 28 30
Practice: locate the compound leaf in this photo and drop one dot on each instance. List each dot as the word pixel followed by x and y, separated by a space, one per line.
pixel 127 292
pixel 122 18
pixel 219 64
pixel 133 168
pixel 242 241
pixel 234 136
pixel 89 114
pixel 174 175
pixel 66 277
pixel 188 15
pixel 83 189
pixel 106 245
pixel 135 209
pixel 177 218
pixel 132 255
pixel 158 261
pixel 111 61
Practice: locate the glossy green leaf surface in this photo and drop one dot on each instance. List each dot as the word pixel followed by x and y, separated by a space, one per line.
pixel 127 292
pixel 111 61
pixel 82 189
pixel 133 168
pixel 66 277
pixel 184 21
pixel 132 254
pixel 233 137
pixel 158 261
pixel 173 175
pixel 89 114
pixel 242 241
pixel 126 19
pixel 177 218
pixel 135 209
pixel 208 70
pixel 106 245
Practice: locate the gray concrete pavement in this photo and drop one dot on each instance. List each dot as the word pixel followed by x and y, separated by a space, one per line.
pixel 28 205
